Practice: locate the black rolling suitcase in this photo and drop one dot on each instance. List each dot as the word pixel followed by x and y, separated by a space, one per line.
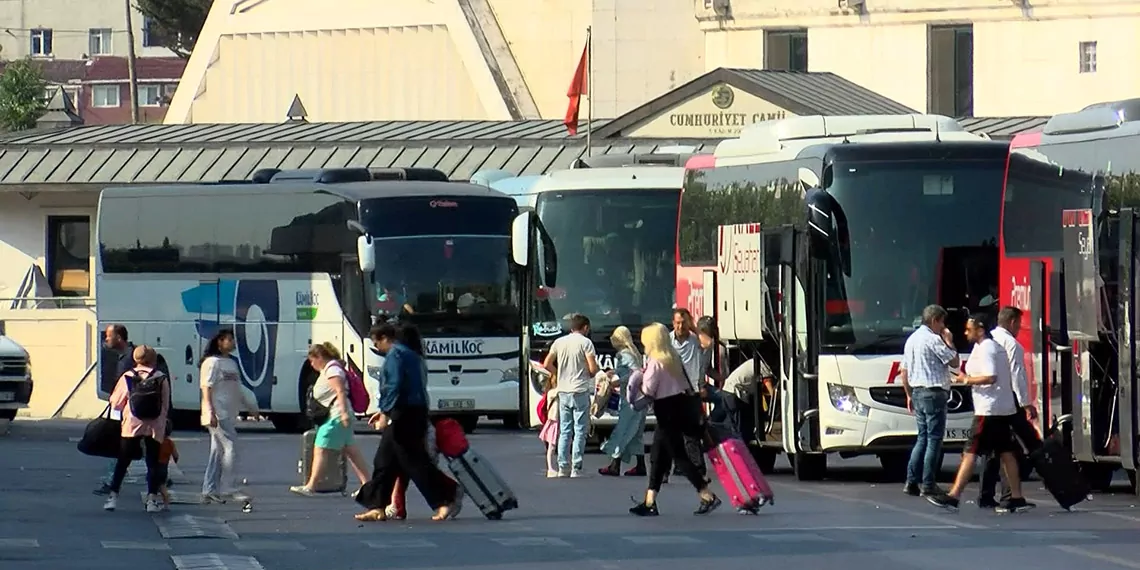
pixel 1059 473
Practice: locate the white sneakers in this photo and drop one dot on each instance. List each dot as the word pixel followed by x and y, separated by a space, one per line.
pixel 153 503
pixel 575 473
pixel 552 474
pixel 112 501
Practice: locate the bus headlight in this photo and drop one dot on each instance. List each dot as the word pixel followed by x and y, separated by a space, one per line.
pixel 843 399
pixel 510 375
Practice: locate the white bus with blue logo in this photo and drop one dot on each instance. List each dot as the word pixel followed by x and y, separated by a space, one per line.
pixel 613 221
pixel 296 257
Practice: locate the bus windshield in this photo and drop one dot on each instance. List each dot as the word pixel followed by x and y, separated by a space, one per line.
pixel 615 257
pixel 921 232
pixel 443 264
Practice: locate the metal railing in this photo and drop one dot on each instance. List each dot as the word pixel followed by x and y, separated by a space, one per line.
pixel 17 303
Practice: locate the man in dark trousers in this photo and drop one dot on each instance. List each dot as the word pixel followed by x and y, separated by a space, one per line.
pixel 1005 334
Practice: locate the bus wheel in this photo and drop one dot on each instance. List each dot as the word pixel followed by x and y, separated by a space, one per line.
pixel 512 421
pixel 894 466
pixel 1098 475
pixel 809 466
pixel 1132 482
pixel 765 458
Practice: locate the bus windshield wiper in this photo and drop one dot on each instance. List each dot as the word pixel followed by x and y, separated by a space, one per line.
pixel 879 340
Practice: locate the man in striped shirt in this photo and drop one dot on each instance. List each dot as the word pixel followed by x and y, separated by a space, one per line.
pixel 928 356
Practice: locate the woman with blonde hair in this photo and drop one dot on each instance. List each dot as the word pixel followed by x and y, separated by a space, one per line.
pixel 626 441
pixel 664 382
pixel 334 433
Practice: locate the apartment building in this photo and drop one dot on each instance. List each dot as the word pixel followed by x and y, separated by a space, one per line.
pixel 73 30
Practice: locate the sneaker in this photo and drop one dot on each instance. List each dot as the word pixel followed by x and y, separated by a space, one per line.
pixel 575 473
pixel 934 491
pixel 748 511
pixel 103 490
pixel 112 501
pixel 1015 506
pixel 208 498
pixel 301 490
pixel 563 472
pixel 152 505
pixel 912 489
pixel 988 503
pixel 944 501
pixel 707 506
pixel 394 513
pixel 247 507
pixel 644 510
pixel 552 474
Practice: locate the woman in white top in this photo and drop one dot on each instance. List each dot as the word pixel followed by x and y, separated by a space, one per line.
pixel 222 399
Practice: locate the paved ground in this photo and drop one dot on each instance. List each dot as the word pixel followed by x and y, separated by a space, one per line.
pixel 49 520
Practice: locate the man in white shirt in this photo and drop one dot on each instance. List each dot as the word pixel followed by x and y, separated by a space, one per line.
pixel 1005 334
pixel 573 359
pixel 988 375
pixel 928 355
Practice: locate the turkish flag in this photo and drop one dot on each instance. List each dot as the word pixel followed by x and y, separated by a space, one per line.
pixel 578 87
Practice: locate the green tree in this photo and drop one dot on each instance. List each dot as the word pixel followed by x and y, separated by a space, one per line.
pixel 175 24
pixel 21 95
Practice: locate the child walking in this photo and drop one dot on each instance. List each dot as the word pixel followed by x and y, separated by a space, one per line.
pixel 549 434
pixel 166 453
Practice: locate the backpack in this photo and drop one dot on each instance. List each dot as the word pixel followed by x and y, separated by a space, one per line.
pixel 357 393
pixel 144 393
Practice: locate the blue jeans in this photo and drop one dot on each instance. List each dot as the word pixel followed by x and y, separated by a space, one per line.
pixel 573 422
pixel 930 414
pixel 220 477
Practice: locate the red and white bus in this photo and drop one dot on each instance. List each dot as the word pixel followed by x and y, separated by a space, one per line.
pixel 1087 160
pixel 915 207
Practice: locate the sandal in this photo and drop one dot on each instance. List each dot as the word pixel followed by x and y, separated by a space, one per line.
pixel 443 514
pixel 373 515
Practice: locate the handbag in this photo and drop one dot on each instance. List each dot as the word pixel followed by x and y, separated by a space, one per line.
pixel 317 412
pixel 637 398
pixel 103 437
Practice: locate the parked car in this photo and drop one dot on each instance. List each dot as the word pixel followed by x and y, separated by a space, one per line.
pixel 15 377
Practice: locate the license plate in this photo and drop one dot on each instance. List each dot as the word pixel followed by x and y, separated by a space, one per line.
pixel 958 433
pixel 7 396
pixel 457 404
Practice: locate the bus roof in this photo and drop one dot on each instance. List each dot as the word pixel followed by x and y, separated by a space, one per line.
pixel 979 149
pixel 353 191
pixel 772 141
pixel 700 161
pixel 516 185
pixel 625 178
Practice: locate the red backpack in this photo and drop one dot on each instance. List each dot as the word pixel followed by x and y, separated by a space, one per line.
pixel 357 393
pixel 449 438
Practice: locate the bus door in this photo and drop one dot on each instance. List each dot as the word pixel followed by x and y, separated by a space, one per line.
pixel 541 271
pixel 1129 256
pixel 801 299
pixel 1078 294
pixel 357 307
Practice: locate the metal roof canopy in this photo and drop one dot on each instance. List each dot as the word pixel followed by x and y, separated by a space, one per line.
pixel 353 191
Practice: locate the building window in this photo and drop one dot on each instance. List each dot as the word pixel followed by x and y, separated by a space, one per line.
pixel 786 50
pixel 151 36
pixel 105 96
pixel 99 41
pixel 41 42
pixel 68 258
pixel 950 70
pixel 1088 57
pixel 150 95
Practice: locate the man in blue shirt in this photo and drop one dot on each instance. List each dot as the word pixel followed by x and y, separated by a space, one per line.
pixel 403 416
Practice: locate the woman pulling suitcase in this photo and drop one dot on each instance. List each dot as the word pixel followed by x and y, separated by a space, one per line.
pixel 404 418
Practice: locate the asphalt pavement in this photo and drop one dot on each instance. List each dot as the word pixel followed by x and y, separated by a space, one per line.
pixel 49 520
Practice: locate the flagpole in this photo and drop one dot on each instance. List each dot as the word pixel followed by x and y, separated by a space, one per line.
pixel 589 88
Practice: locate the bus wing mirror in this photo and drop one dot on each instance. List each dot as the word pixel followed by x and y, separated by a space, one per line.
pixel 808 178
pixel 366 253
pixel 520 240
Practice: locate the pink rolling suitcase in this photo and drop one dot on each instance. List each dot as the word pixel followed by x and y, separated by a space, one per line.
pixel 741 477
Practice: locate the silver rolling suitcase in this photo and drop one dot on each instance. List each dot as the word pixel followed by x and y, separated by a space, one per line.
pixel 483 484
pixel 334 480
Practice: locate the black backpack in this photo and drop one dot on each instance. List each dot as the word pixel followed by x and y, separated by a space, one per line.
pixel 144 393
